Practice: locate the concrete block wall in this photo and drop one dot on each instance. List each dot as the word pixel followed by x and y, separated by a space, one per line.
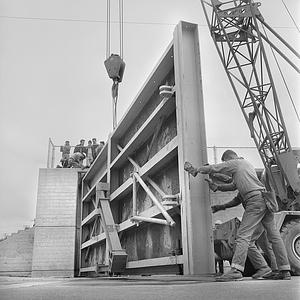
pixel 16 253
pixel 55 232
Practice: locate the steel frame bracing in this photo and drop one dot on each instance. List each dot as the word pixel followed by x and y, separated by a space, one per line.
pixel 236 29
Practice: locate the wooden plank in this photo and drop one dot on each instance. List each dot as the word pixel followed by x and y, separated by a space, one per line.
pixel 97 164
pixel 164 108
pixel 110 226
pixel 161 158
pixel 152 262
pixel 154 136
pixel 156 162
pixel 94 240
pixel 151 212
pixel 152 83
pixel 122 190
pixel 154 200
pixel 88 219
pixel 149 220
pixel 89 269
pixel 92 191
pixel 108 220
pixel 134 196
pixel 196 213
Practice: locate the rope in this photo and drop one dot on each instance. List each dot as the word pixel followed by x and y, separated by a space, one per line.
pixel 114 90
pixel 121 21
pixel 108 28
pixel 290 15
pixel 283 78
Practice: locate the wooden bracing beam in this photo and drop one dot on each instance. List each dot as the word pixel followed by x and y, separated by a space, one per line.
pixel 137 177
pixel 102 214
pixel 117 255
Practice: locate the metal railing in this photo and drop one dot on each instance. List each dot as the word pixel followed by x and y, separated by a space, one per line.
pixel 51 154
pixel 214 154
pixel 54 154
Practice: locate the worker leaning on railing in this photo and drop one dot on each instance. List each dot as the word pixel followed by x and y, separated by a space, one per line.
pixel 90 153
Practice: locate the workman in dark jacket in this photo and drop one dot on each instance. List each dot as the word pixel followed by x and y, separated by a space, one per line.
pixel 245 180
pixel 95 145
pixel 80 147
pixel 76 160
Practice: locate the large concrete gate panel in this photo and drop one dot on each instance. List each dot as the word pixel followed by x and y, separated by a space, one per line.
pixel 143 161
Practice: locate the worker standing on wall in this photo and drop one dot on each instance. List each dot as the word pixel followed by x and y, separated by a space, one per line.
pixel 65 153
pixel 89 155
pixel 80 147
pixel 99 148
pixel 251 190
pixel 95 145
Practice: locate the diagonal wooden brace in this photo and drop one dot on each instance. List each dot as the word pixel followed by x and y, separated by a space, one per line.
pixel 169 219
pixel 136 176
pixel 149 220
pixel 117 255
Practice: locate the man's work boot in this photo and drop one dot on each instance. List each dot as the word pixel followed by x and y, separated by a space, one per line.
pixel 265 271
pixel 282 275
pixel 232 275
pixel 273 274
pixel 190 169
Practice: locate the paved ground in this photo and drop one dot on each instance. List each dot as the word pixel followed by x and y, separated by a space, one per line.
pixel 146 288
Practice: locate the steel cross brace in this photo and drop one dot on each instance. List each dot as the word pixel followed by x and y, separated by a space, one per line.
pixel 137 178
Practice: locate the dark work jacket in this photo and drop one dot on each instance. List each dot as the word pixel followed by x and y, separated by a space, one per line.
pixel 94 147
pixel 80 149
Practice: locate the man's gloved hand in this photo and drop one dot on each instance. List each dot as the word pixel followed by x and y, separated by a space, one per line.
pixel 216 208
pixel 211 184
pixel 190 169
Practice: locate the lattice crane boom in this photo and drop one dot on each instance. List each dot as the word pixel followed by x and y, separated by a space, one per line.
pixel 236 29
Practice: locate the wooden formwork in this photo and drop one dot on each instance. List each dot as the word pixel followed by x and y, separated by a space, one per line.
pixel 141 212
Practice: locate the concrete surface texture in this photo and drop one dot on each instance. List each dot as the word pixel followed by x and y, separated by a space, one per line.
pixel 55 225
pixel 16 253
pixel 151 287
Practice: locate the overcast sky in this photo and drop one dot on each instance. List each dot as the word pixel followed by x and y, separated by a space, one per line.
pixel 53 82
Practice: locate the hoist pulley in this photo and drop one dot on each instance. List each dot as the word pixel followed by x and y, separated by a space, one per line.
pixel 115 67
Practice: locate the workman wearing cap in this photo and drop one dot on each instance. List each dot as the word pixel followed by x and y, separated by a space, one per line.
pixel 80 147
pixel 76 160
pixel 252 191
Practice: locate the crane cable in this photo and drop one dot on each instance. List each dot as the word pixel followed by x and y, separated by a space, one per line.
pixel 114 63
pixel 121 28
pixel 290 15
pixel 283 78
pixel 107 28
pixel 121 21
